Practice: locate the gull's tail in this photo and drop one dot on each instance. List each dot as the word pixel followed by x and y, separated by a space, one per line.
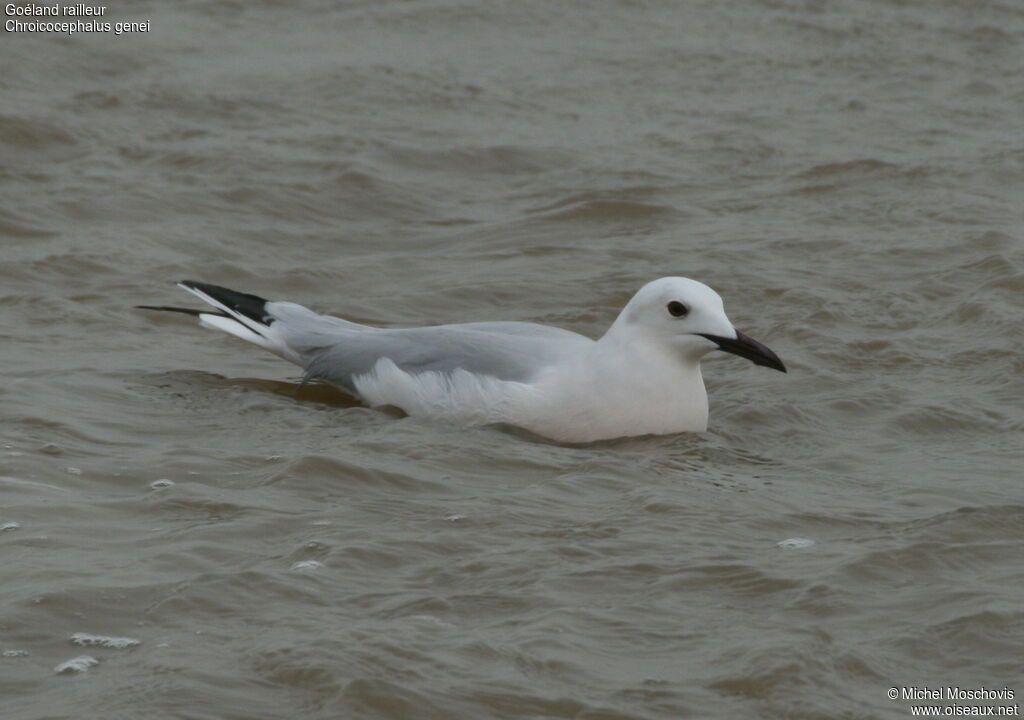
pixel 240 314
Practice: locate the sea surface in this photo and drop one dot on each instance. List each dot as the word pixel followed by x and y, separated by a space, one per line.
pixel 186 533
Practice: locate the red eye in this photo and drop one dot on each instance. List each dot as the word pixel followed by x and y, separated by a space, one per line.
pixel 677 309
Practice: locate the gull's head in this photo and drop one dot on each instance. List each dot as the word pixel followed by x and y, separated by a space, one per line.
pixel 689 317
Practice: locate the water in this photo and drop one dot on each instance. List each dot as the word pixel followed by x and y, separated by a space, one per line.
pixel 846 174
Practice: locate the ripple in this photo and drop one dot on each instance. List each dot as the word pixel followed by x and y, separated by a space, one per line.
pixel 743 580
pixel 849 168
pixel 500 159
pixel 33 134
pixel 602 210
pixel 19 226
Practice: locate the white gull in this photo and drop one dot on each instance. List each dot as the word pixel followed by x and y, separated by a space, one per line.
pixel 641 377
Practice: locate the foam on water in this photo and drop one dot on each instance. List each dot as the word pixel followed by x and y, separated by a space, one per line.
pixel 795 543
pixel 76 664
pixel 307 565
pixel 107 641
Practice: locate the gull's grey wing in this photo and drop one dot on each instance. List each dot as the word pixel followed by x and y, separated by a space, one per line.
pixel 524 329
pixel 506 351
pixel 339 351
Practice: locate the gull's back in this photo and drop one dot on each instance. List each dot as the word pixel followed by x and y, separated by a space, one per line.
pixel 508 351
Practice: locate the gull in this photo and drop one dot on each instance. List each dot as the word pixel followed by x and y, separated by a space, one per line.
pixel 642 377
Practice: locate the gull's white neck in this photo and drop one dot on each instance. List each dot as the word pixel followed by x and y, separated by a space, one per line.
pixel 626 383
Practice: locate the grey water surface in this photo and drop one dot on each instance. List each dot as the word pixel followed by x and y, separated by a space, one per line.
pixel 226 544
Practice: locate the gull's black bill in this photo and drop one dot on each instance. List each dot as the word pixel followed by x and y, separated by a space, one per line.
pixel 749 348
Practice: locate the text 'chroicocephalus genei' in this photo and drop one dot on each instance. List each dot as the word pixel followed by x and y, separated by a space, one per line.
pixel 641 377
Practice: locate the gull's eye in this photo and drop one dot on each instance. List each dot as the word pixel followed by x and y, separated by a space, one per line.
pixel 677 309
